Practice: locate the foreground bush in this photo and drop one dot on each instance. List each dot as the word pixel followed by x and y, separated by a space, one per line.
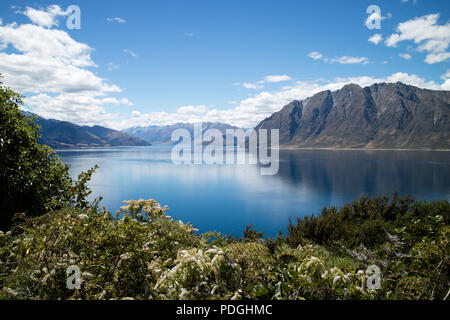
pixel 144 254
pixel 366 221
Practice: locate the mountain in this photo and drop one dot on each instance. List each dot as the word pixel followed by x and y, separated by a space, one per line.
pixel 63 134
pixel 163 135
pixel 385 115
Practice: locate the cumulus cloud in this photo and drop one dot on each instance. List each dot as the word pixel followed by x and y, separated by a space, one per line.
pixel 405 56
pixel 437 57
pixel 45 18
pixel 376 38
pixel 82 109
pixel 52 70
pixel 37 41
pixel 446 75
pixel 116 19
pixel 427 34
pixel 315 55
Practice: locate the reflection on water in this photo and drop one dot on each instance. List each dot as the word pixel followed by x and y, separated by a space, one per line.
pixel 228 197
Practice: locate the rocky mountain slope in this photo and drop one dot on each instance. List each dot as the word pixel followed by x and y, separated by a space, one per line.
pixel 383 115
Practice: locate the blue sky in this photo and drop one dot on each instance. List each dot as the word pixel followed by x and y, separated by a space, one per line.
pixel 142 62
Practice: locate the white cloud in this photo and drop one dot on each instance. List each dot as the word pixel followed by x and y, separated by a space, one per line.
pixel 349 60
pixel 427 34
pixel 315 55
pixel 51 69
pixel 277 78
pixel 34 74
pixel 116 19
pixel 405 56
pixel 437 57
pixel 1 21
pixel 81 109
pixel 446 75
pixel 249 85
pixel 37 41
pixel 189 34
pixel 268 79
pixel 131 53
pixel 376 38
pixel 45 18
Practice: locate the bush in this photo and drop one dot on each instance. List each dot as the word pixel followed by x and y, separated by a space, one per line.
pixel 33 180
pixel 141 253
pixel 366 221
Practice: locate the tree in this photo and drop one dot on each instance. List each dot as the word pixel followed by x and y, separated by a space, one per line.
pixel 33 180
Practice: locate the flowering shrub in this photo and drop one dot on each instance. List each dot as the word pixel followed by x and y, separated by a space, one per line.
pixel 141 253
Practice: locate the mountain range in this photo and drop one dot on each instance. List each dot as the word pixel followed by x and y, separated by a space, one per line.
pixel 64 134
pixel 384 115
pixel 163 134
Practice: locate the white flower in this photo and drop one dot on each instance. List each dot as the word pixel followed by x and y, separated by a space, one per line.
pixel 336 279
pixel 237 295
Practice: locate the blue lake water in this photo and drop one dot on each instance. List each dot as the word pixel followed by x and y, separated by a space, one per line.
pixel 226 198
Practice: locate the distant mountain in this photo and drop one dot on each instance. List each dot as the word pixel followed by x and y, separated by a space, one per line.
pixel 163 135
pixel 63 134
pixel 380 116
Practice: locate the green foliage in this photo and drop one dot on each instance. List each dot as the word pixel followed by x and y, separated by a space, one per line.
pixel 363 222
pixel 251 234
pixel 33 180
pixel 141 253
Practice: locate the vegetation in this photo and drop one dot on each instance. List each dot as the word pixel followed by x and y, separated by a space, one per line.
pixel 141 253
pixel 33 180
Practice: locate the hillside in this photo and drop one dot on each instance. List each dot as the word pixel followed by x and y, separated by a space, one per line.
pixel 163 134
pixel 380 116
pixel 64 134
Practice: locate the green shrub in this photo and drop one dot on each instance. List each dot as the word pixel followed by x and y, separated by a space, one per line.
pixel 143 254
pixel 366 221
pixel 33 180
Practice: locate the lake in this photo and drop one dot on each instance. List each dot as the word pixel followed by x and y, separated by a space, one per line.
pixel 226 198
